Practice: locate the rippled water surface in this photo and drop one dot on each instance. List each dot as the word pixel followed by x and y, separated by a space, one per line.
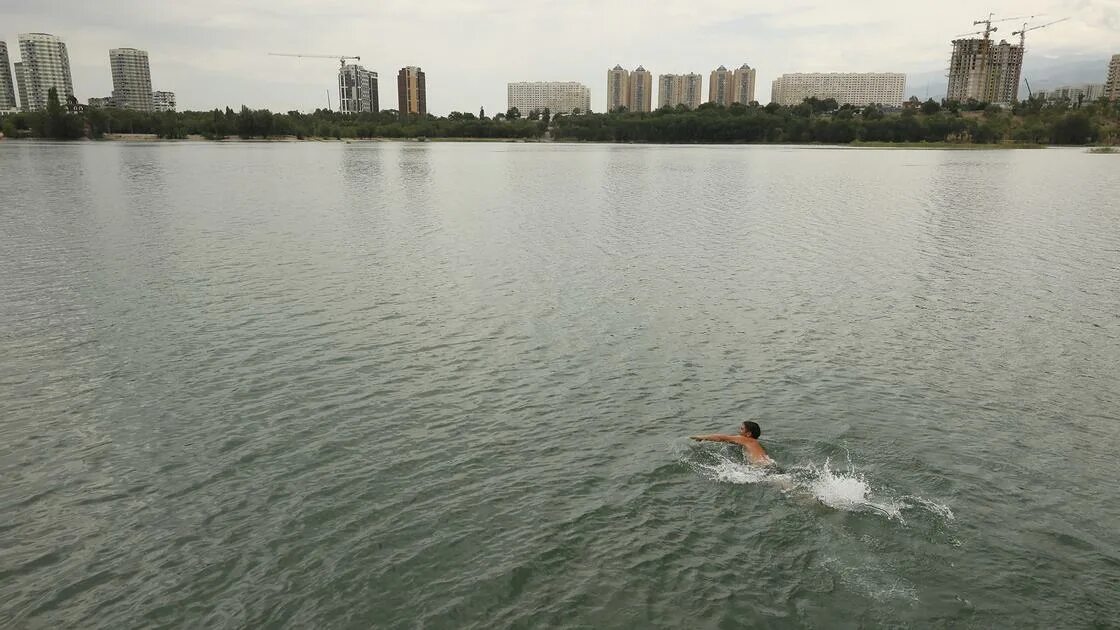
pixel 449 386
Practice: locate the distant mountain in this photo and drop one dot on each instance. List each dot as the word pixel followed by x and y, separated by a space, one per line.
pixel 1042 72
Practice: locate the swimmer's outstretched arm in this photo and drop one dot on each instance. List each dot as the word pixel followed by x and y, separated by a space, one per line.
pixel 715 437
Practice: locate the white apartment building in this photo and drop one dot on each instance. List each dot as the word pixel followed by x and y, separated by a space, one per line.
pixel 1112 84
pixel 852 88
pixel 8 103
pixel 559 97
pixel 162 101
pixel 1088 92
pixel 357 90
pixel 679 89
pixel 132 79
pixel 44 63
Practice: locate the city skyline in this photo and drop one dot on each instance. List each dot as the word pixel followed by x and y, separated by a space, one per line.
pixel 231 68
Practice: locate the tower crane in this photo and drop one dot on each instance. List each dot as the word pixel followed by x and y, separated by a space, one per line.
pixel 341 58
pixel 1023 33
pixel 988 28
pixel 341 64
pixel 984 33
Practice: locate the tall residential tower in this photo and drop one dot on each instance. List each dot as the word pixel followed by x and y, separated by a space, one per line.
pixel 641 90
pixel 679 89
pixel 411 92
pixel 132 79
pixel 618 88
pixel 742 85
pixel 7 86
pixel 44 63
pixel 719 87
pixel 357 90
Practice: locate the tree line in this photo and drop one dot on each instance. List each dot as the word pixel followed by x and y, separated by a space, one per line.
pixel 814 120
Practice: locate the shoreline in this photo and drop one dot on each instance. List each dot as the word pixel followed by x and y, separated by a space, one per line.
pixel 948 146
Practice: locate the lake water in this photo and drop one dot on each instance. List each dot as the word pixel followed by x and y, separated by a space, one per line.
pixel 431 385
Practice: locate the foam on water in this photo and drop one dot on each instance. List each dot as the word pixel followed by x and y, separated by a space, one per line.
pixel 847 489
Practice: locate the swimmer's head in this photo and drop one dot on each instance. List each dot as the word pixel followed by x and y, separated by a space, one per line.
pixel 750 428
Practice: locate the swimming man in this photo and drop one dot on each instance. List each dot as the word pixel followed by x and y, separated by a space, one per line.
pixel 747 438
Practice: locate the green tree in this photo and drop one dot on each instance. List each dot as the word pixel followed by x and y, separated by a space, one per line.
pixel 53 122
pixel 930 107
pixel 1076 128
pixel 513 113
pixel 245 128
pixel 546 115
pixel 872 112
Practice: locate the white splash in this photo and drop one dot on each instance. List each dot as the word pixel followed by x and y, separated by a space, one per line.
pixel 847 490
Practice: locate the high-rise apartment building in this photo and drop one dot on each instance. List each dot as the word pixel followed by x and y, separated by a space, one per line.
pixel 44 64
pixel 618 88
pixel 7 86
pixel 679 89
pixel 851 88
pixel 641 90
pixel 1112 84
pixel 559 97
pixel 983 71
pixel 132 79
pixel 692 89
pixel 720 88
pixel 411 92
pixel 357 90
pixel 743 84
pixel 163 101
pixel 21 85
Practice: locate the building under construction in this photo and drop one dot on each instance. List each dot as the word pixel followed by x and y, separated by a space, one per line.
pixel 985 71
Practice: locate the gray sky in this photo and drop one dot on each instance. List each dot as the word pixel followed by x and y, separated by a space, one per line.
pixel 213 53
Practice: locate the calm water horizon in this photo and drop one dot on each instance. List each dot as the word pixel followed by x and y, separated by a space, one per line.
pixel 449 385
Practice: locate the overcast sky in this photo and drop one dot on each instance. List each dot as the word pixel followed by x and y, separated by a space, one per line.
pixel 213 52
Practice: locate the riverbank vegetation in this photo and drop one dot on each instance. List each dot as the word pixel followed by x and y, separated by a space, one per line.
pixel 1030 122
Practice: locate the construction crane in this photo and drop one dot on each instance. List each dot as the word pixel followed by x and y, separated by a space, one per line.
pixel 984 33
pixel 989 29
pixel 1023 33
pixel 341 64
pixel 341 58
